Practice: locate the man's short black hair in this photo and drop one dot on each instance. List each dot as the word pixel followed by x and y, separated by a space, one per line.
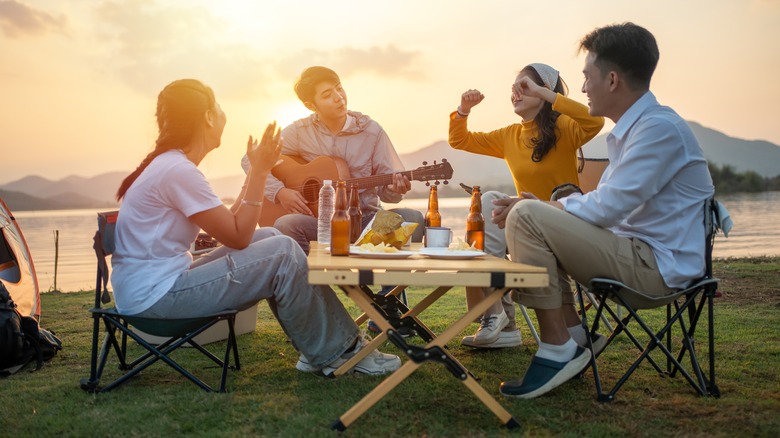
pixel 627 48
pixel 310 78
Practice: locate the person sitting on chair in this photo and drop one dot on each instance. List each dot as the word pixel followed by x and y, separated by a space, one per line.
pixel 333 130
pixel 166 201
pixel 642 224
pixel 541 152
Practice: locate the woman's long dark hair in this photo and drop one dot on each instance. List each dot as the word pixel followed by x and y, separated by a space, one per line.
pixel 546 118
pixel 180 109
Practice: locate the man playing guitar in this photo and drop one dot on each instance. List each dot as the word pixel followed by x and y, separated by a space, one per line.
pixel 333 131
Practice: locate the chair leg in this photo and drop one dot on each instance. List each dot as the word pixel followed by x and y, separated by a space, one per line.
pixel 530 324
pixel 230 343
pixel 709 294
pixel 591 302
pixel 90 384
pixel 161 352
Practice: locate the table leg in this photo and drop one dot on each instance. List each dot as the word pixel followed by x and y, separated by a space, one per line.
pixel 410 366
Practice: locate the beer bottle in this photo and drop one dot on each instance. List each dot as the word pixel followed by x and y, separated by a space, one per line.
pixel 339 223
pixel 432 216
pixel 475 222
pixel 355 215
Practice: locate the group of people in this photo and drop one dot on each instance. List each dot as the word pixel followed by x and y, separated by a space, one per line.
pixel 640 226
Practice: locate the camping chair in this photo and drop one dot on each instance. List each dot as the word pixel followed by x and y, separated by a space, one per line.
pixel 683 308
pixel 120 327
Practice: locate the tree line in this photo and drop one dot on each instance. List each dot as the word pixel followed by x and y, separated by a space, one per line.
pixel 727 180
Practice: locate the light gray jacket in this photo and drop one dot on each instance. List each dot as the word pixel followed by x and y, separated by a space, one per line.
pixel 362 143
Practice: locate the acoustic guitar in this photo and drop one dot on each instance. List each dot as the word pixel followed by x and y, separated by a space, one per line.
pixel 306 178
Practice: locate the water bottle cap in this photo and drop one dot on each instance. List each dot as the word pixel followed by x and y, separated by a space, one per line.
pixel 328 182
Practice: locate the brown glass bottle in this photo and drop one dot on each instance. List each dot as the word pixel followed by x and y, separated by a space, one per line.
pixel 339 223
pixel 475 222
pixel 355 215
pixel 432 216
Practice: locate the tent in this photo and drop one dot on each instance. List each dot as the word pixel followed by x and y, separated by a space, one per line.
pixel 16 266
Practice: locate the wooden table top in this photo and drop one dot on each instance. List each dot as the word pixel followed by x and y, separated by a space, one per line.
pixel 419 270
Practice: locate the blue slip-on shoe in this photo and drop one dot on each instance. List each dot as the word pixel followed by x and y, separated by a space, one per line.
pixel 543 375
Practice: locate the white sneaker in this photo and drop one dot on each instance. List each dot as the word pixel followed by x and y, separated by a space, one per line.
pixel 305 366
pixel 490 328
pixel 375 364
pixel 599 342
pixel 505 340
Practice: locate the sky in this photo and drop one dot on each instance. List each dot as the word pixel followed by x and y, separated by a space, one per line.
pixel 79 79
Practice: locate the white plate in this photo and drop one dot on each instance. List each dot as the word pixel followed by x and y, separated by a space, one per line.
pixel 445 253
pixel 356 251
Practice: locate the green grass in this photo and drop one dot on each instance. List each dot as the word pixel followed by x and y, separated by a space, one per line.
pixel 268 397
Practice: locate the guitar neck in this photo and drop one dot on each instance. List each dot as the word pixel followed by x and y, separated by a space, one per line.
pixel 378 180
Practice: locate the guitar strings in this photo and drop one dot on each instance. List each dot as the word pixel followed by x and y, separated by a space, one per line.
pixel 368 181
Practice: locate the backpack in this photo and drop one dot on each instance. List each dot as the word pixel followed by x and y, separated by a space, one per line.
pixel 21 339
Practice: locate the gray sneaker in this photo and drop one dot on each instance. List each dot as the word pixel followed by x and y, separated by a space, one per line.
pixel 375 364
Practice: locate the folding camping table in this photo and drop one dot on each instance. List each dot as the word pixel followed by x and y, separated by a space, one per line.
pixel 353 275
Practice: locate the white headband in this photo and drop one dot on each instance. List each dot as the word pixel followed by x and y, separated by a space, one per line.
pixel 548 74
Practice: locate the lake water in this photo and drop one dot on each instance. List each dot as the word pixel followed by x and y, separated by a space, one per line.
pixel 755 233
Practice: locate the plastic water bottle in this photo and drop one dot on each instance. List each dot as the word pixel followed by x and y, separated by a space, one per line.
pixel 325 211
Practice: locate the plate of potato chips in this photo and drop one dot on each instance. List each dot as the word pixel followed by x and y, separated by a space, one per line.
pixel 378 251
pixel 458 250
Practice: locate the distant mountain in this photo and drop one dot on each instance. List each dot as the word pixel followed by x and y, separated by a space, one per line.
pixel 101 188
pixel 759 156
pixel 38 193
pixel 18 201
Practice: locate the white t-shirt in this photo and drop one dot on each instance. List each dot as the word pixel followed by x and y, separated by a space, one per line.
pixel 153 232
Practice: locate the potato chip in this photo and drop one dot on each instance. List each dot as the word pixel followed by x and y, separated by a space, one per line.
pixel 460 245
pixel 381 247
pixel 385 222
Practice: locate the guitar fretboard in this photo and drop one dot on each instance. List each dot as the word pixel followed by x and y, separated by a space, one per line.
pixel 378 180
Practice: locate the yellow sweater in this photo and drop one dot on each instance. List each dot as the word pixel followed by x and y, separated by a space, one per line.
pixel 574 128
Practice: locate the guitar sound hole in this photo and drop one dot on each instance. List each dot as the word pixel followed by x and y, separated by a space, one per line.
pixel 311 191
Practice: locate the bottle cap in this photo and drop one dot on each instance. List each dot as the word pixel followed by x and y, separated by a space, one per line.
pixel 327 182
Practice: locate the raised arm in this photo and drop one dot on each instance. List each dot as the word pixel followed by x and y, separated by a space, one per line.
pixel 235 227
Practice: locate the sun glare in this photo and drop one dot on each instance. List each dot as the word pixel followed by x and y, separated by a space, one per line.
pixel 241 21
pixel 290 111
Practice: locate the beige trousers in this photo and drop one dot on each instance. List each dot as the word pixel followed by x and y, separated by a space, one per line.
pixel 539 234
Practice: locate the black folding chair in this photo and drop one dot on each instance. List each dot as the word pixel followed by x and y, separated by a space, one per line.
pixel 684 309
pixel 118 328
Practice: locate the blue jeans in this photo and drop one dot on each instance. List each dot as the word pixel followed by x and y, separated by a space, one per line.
pixel 272 268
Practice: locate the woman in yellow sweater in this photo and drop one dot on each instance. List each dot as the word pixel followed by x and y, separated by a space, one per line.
pixel 541 153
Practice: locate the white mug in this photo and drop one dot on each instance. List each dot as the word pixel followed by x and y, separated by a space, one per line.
pixel 438 237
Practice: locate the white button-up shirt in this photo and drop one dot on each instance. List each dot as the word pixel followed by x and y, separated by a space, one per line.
pixel 653 189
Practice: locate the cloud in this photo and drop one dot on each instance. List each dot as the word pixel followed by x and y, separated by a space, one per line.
pixel 389 61
pixel 157 42
pixel 18 20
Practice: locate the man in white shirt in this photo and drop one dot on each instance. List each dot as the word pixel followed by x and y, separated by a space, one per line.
pixel 642 225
